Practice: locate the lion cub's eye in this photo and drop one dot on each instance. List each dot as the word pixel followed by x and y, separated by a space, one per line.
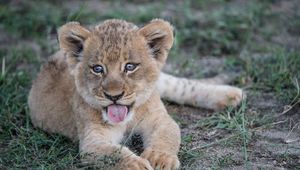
pixel 97 69
pixel 130 67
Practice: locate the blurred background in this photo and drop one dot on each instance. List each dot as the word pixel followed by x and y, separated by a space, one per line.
pixel 257 42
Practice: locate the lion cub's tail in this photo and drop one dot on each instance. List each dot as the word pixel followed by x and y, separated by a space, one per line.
pixel 206 93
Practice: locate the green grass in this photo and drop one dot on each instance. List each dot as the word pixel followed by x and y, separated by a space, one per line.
pixel 275 72
pixel 39 18
pixel 21 145
pixel 223 161
pixel 241 34
pixel 187 155
pixel 233 120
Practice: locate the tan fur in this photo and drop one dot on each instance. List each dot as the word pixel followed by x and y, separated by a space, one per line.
pixel 68 98
pixel 207 93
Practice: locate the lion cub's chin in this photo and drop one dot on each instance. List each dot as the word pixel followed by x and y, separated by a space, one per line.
pixel 116 114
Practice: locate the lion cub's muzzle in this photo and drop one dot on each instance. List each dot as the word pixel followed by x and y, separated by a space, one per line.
pixel 116 112
pixel 115 97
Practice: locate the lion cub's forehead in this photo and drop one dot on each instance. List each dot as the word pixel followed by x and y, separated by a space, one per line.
pixel 115 26
pixel 112 39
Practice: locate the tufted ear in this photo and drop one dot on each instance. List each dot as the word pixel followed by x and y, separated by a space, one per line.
pixel 159 36
pixel 71 38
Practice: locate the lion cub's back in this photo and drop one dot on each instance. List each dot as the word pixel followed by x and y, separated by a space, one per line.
pixel 50 98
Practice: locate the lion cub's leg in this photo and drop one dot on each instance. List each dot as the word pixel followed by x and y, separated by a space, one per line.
pixel 161 137
pixel 100 141
pixel 205 93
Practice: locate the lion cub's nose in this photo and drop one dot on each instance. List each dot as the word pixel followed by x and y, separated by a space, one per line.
pixel 113 98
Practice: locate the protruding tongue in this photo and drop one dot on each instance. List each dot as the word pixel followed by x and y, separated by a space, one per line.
pixel 116 113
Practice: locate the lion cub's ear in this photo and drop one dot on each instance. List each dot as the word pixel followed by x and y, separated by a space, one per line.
pixel 71 38
pixel 159 36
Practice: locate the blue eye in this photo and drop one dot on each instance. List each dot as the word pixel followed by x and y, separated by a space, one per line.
pixel 130 67
pixel 97 69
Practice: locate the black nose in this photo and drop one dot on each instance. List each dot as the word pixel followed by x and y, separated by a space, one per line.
pixel 113 98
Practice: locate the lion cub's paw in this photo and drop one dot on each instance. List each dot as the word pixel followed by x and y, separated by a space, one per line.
pixel 230 96
pixel 161 160
pixel 135 163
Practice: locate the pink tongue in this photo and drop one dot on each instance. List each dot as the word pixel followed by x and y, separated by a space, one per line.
pixel 116 113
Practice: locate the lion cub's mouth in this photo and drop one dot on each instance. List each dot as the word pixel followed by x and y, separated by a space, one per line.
pixel 117 113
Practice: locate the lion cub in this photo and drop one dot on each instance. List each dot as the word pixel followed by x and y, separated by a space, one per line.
pixel 106 81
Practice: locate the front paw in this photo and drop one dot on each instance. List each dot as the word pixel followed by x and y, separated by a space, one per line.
pixel 161 160
pixel 135 163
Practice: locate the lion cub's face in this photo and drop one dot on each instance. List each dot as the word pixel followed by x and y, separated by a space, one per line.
pixel 115 65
